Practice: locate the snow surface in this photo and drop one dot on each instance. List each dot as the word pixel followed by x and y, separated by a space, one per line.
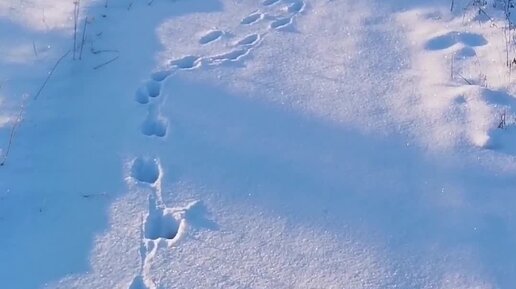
pixel 256 144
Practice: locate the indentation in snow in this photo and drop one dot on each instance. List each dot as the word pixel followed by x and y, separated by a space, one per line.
pixel 252 18
pixel 160 223
pixel 141 96
pixel 210 36
pixel 160 75
pixel 296 7
pixel 465 52
pixel 249 40
pixel 281 22
pixel 145 170
pixel 153 88
pixel 154 124
pixel 186 62
pixel 230 56
pixel 447 40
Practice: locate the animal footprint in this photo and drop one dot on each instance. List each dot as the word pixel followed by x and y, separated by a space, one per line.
pixel 160 222
pixel 252 18
pixel 146 170
pixel 472 39
pixel 153 88
pixel 211 36
pixel 142 96
pixel 187 62
pixel 281 22
pixel 230 56
pixel 160 75
pixel 249 40
pixel 154 124
pixel 452 38
pixel 465 52
pixel 296 7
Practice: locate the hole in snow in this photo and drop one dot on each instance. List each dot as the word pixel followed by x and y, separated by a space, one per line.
pixel 145 170
pixel 450 39
pixel 153 88
pixel 160 223
pixel 472 39
pixel 465 52
pixel 282 22
pixel 160 75
pixel 141 96
pixel 249 40
pixel 230 56
pixel 154 126
pixel 210 37
pixel 186 62
pixel 296 7
pixel 441 42
pixel 250 19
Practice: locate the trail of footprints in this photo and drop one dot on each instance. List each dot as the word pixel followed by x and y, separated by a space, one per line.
pixel 155 124
pixel 162 226
pixel 280 13
pixel 463 46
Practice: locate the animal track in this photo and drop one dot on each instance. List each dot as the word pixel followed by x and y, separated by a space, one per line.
pixel 160 75
pixel 153 88
pixel 146 170
pixel 230 56
pixel 281 22
pixel 154 127
pixel 251 18
pixel 249 40
pixel 465 52
pixel 269 2
pixel 296 7
pixel 472 39
pixel 160 222
pixel 154 124
pixel 187 62
pixel 452 38
pixel 142 96
pixel 210 37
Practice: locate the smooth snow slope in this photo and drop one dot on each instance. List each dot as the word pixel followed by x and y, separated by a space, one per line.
pixel 255 144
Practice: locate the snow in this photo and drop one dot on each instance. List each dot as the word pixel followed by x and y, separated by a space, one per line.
pixel 256 144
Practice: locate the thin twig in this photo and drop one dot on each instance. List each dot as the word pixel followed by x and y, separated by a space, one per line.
pixel 75 18
pixel 502 123
pixel 463 78
pixel 106 63
pixel 50 74
pixel 83 37
pixel 87 196
pixel 34 48
pixel 16 124
pixel 104 51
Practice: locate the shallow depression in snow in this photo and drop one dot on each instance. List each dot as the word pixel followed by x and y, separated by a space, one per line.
pixel 145 170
